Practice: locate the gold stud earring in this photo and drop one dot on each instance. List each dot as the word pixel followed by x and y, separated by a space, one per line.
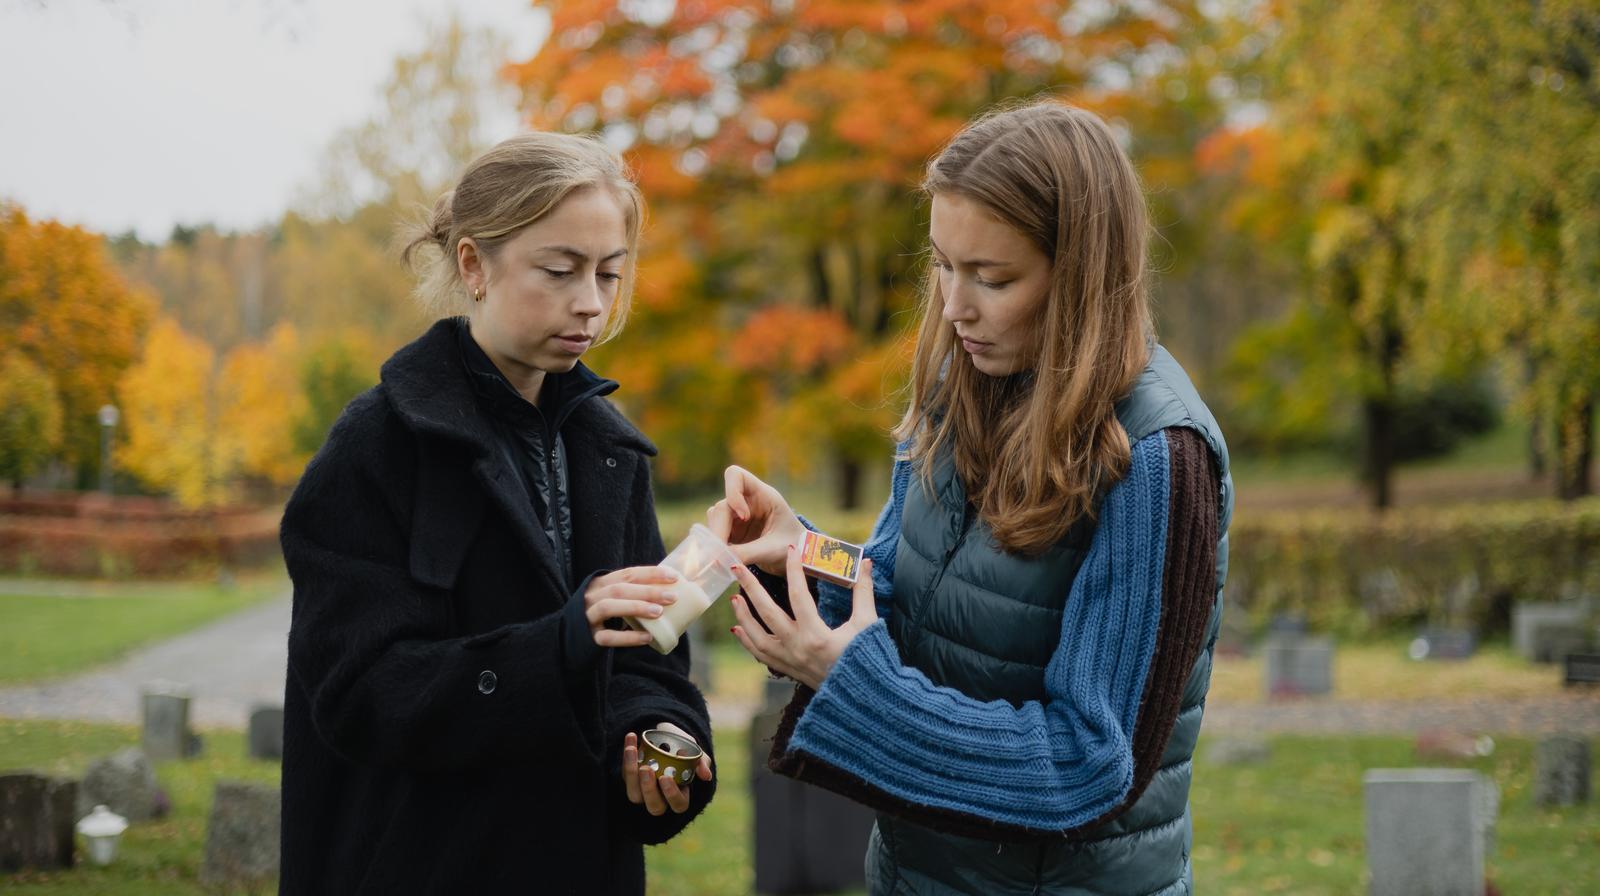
pixel 477 294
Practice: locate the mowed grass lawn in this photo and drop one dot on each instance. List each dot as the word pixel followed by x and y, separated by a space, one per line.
pixel 1292 824
pixel 67 627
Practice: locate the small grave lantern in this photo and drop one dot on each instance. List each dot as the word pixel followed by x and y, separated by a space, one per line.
pixel 102 828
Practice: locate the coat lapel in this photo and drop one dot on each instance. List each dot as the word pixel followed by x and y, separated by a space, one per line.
pixel 505 491
pixel 429 390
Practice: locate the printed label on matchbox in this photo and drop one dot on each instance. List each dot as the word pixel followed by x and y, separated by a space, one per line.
pixel 830 559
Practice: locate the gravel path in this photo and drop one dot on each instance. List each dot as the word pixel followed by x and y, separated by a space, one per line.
pixel 226 666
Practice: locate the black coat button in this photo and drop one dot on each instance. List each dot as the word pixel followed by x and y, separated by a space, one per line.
pixel 611 461
pixel 486 682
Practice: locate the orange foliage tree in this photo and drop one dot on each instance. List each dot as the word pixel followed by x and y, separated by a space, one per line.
pixel 66 309
pixel 784 141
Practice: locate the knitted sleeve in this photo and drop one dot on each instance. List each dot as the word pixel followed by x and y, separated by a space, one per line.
pixel 883 734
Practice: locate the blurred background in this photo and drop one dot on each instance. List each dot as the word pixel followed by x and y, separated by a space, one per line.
pixel 1377 253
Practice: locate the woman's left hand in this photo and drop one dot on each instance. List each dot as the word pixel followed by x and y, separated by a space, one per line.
pixel 802 647
pixel 656 793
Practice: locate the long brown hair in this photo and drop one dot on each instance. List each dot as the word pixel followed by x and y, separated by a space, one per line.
pixel 1034 460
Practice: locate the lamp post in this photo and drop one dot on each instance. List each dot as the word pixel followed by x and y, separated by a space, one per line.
pixel 108 422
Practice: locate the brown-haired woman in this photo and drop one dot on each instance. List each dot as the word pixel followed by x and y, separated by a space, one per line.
pixel 1017 679
pixel 459 716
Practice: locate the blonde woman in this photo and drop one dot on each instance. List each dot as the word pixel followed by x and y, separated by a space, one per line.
pixel 461 711
pixel 1017 680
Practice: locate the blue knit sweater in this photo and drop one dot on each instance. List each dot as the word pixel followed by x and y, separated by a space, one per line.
pixel 1050 765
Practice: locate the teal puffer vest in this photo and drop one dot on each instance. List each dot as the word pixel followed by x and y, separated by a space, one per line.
pixel 974 618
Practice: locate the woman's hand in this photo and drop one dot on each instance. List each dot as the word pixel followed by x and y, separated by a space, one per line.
pixel 635 591
pixel 755 520
pixel 803 648
pixel 644 786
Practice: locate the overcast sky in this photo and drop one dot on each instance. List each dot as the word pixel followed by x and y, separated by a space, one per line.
pixel 119 114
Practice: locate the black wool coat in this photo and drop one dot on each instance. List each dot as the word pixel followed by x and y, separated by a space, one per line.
pixel 450 726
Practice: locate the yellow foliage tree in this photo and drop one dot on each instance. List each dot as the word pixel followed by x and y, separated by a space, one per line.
pixel 261 400
pixel 172 411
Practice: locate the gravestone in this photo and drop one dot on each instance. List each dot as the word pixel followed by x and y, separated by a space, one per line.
pixel 1540 629
pixel 166 735
pixel 1429 830
pixel 241 836
pixel 1582 668
pixel 808 840
pixel 1561 771
pixel 266 732
pixel 1444 644
pixel 36 819
pixel 123 782
pixel 1244 750
pixel 1298 666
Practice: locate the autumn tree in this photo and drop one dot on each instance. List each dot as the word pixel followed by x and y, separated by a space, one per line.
pixel 789 138
pixel 218 285
pixel 1441 156
pixel 1508 184
pixel 263 404
pixel 172 410
pixel 67 310
pixel 30 419
pixel 330 372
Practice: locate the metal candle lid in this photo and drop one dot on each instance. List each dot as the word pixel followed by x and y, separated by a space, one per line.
pixel 669 754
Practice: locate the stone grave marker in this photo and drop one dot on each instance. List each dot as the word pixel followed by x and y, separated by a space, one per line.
pixel 1540 629
pixel 1428 830
pixel 241 836
pixel 166 735
pixel 36 819
pixel 808 840
pixel 1298 666
pixel 1561 771
pixel 266 732
pixel 1582 668
pixel 123 782
pixel 1440 643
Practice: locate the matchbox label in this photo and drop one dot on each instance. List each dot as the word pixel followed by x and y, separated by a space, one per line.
pixel 831 559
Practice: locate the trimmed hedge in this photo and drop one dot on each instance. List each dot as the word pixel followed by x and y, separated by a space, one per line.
pixel 1356 571
pixel 65 534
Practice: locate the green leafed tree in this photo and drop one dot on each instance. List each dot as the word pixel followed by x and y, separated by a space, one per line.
pixel 30 419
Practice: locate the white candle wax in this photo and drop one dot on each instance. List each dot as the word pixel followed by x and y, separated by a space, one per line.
pixel 666 629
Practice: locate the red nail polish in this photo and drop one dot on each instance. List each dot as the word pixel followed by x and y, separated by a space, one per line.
pixel 733 631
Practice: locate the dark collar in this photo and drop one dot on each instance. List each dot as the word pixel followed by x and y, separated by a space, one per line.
pixel 559 396
pixel 432 391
